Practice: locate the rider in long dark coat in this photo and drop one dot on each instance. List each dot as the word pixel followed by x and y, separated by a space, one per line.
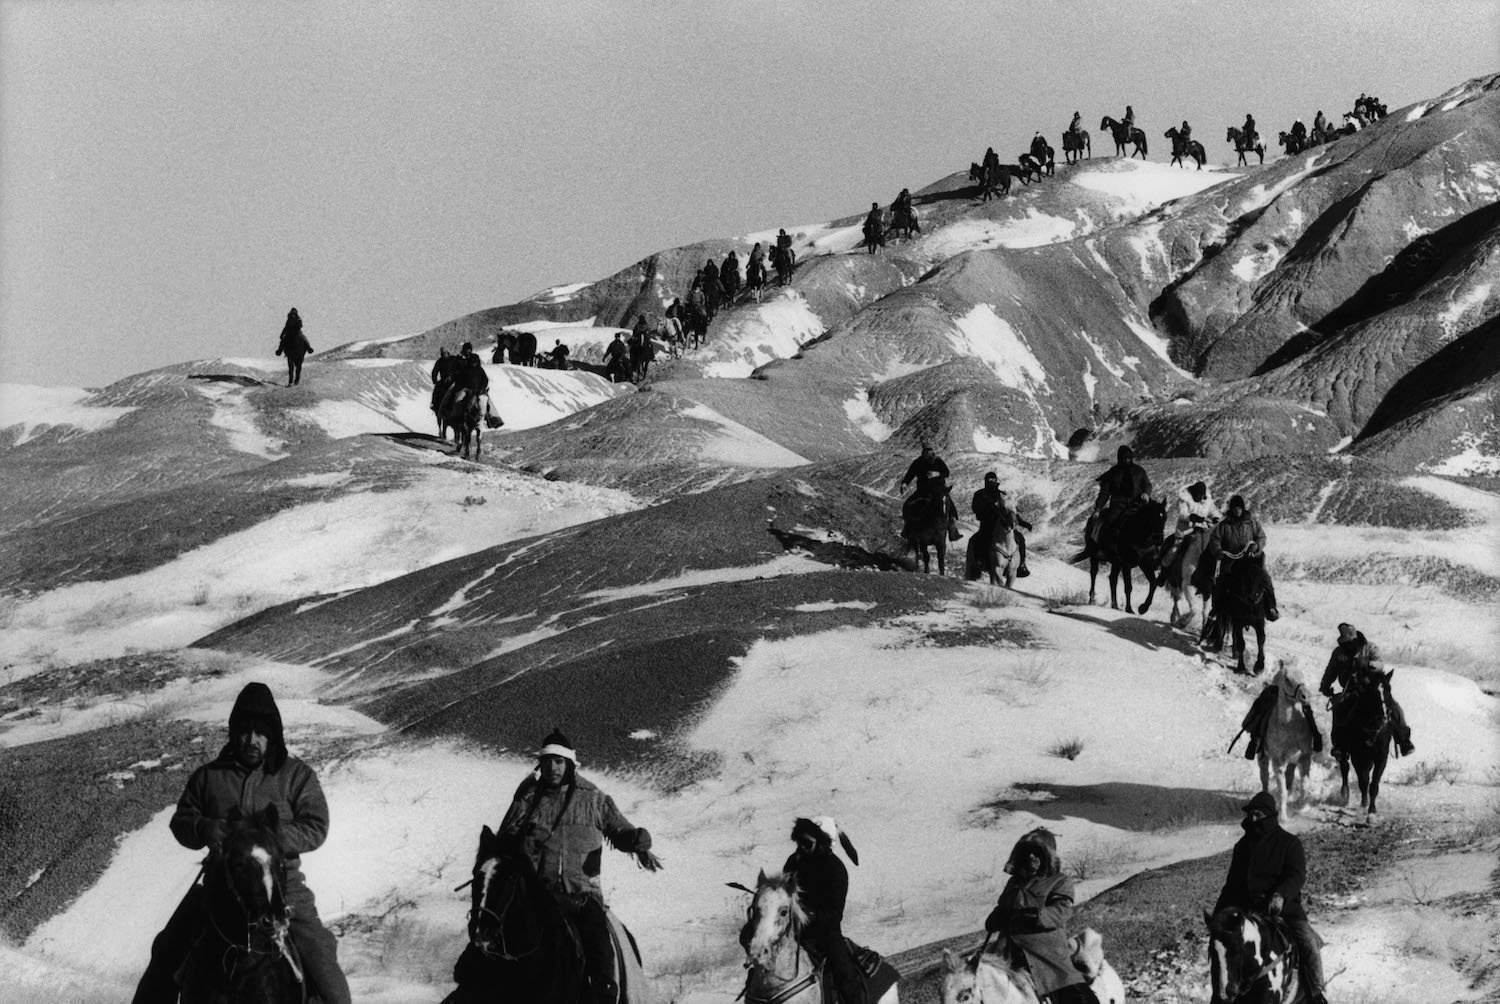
pixel 1355 654
pixel 991 160
pixel 1031 920
pixel 874 226
pixel 755 268
pixel 1076 126
pixel 713 290
pixel 294 345
pixel 994 512
pixel 822 884
pixel 931 476
pixel 1129 119
pixel 252 771
pixel 1121 488
pixel 1249 130
pixel 1266 874
pixel 442 376
pixel 729 275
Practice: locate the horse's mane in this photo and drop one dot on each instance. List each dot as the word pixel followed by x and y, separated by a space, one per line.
pixel 783 882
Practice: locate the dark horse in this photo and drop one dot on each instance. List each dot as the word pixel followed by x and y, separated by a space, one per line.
pixel 519 348
pixel 1292 142
pixel 1244 144
pixel 904 222
pixel 245 952
pixel 992 183
pixel 1123 135
pixel 464 416
pixel 784 261
pixel 927 526
pixel 642 355
pixel 1239 598
pixel 1076 146
pixel 1362 734
pixel 520 947
pixel 1192 148
pixel 1134 543
pixel 1028 168
pixel 1251 959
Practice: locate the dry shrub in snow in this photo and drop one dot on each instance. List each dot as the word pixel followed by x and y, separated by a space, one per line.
pixel 1067 749
pixel 1425 772
pixel 1092 858
pixel 1060 599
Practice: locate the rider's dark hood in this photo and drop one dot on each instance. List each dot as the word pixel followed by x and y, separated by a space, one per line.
pixel 256 704
pixel 1044 844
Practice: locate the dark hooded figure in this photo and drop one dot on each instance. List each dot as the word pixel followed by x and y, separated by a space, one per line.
pixel 874 227
pixel 996 515
pixel 252 771
pixel 1266 873
pixel 713 289
pixel 563 821
pixel 1249 130
pixel 755 268
pixel 729 275
pixel 443 372
pixel 931 476
pixel 991 160
pixel 822 884
pixel 1121 488
pixel 1355 655
pixel 1031 919
pixel 294 345
pixel 1129 119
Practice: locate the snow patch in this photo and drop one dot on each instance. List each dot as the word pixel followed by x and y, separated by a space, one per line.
pixel 732 443
pixel 826 605
pixel 35 408
pixel 559 294
pixel 234 414
pixel 1476 296
pixel 795 563
pixel 986 336
pixel 1031 230
pixel 1417 111
pixel 750 336
pixel 1146 185
pixel 857 409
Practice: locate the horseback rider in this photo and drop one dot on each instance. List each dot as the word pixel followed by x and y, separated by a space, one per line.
pixel 931 476
pixel 729 275
pixel 561 822
pixel 713 290
pixel 1320 125
pixel 1031 920
pixel 902 213
pixel 874 227
pixel 1353 655
pixel 617 356
pixel 755 268
pixel 559 354
pixel 1039 147
pixel 991 160
pixel 1196 513
pixel 993 512
pixel 1185 134
pixel 1258 718
pixel 1129 120
pixel 1240 537
pixel 469 378
pixel 1249 130
pixel 1266 873
pixel 252 771
pixel 1075 128
pixel 294 345
pixel 822 884
pixel 442 375
pixel 1121 488
pixel 1299 132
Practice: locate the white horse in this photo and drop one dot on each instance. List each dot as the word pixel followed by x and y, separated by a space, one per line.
pixel 780 970
pixel 982 982
pixel 1001 567
pixel 1286 754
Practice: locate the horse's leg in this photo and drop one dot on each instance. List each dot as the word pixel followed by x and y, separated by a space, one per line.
pixel 1343 762
pixel 1289 784
pixel 1125 574
pixel 1150 590
pixel 1376 770
pixel 1093 577
pixel 1237 644
pixel 1260 644
pixel 1114 585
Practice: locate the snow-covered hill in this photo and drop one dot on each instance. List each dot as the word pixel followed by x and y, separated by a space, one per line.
pixel 700 580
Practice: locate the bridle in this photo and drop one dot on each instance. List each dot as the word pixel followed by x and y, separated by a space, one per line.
pixel 265 924
pixel 479 911
pixel 1248 984
pixel 796 983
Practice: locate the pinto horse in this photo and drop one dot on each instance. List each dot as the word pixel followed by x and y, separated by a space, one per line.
pixel 1250 958
pixel 1192 148
pixel 1244 144
pixel 1134 542
pixel 781 971
pixel 1362 735
pixel 1125 134
pixel 245 953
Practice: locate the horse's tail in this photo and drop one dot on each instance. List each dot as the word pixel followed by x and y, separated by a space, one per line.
pixel 1143 143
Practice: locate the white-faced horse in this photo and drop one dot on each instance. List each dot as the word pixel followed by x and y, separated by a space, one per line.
pixel 981 981
pixel 780 970
pixel 1287 752
pixel 995 556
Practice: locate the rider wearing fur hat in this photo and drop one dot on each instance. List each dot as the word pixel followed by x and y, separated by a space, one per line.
pixel 1031 921
pixel 1196 513
pixel 562 822
pixel 252 771
pixel 1121 488
pixel 822 884
pixel 1266 873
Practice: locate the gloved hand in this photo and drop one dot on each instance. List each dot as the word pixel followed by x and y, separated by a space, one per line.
pixel 213 832
pixel 1277 902
pixel 995 922
pixel 642 840
pixel 1253 550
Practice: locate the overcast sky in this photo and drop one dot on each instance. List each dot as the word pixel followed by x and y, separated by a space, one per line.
pixel 175 175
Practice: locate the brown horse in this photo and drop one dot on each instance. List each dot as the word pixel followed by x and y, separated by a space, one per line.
pixel 1362 736
pixel 927 526
pixel 1076 146
pixel 992 183
pixel 1189 148
pixel 1134 543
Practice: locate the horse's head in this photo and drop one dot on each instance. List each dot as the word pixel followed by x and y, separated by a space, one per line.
pixel 252 865
pixel 775 914
pixel 1289 683
pixel 960 981
pixel 503 923
pixel 976 173
pixel 1232 135
pixel 1243 950
pixel 977 981
pixel 1105 122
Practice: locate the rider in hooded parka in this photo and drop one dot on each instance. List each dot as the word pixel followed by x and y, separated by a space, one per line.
pixel 1031 921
